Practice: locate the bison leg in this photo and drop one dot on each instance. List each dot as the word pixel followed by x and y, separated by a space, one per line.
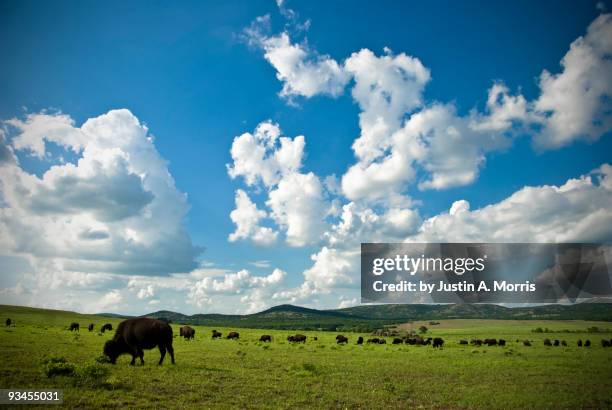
pixel 133 362
pixel 171 351
pixel 162 351
pixel 141 355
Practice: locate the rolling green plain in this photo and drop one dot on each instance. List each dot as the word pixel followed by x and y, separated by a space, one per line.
pixel 319 374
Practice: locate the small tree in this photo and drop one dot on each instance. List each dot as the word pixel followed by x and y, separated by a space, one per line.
pixel 423 329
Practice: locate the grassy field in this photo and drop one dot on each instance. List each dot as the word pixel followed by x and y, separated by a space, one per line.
pixel 248 374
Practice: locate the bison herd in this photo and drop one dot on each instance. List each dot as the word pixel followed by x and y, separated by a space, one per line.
pixel 133 336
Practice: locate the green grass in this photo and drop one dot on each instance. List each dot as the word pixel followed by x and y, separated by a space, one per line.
pixel 320 374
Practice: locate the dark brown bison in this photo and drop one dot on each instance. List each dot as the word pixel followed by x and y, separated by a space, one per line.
pixel 90 327
pixel 437 342
pixel 341 339
pixel 397 341
pixel 501 342
pixel 187 332
pixel 135 335
pixel 265 338
pixel 547 342
pixel 360 340
pixel 297 338
pixel 490 342
pixel 556 342
pixel 526 343
pixel 8 321
pixel 74 326
pixel 315 338
pixel 215 334
pixel 605 343
pixel 463 342
pixel 587 343
pixel 233 335
pixel 476 342
pixel 105 327
pixel 579 342
pixel 374 340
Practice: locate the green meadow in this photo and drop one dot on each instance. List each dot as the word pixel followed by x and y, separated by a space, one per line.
pixel 320 374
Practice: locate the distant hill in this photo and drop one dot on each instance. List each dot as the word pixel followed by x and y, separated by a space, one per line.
pixel 370 317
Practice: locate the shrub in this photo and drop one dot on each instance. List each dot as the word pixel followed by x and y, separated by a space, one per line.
pixel 57 366
pixel 93 372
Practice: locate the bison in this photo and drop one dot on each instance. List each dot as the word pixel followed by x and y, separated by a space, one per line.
pixel 360 340
pixel 463 342
pixel 579 342
pixel 556 342
pixel 105 327
pixel 8 321
pixel 547 342
pixel 490 342
pixel 315 338
pixel 437 342
pixel 90 327
pixel 563 343
pixel 397 341
pixel 605 343
pixel 297 338
pixel 265 338
pixel 187 332
pixel 215 334
pixel 74 326
pixel 501 342
pixel 233 335
pixel 374 340
pixel 476 342
pixel 587 343
pixel 341 339
pixel 135 335
pixel 526 343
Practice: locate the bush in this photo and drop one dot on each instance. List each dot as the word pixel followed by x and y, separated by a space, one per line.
pixel 93 372
pixel 57 366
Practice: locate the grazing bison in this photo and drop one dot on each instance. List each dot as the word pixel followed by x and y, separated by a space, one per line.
pixel 605 343
pixel 556 342
pixel 587 343
pixel 74 326
pixel 463 342
pixel 341 339
pixel 8 321
pixel 297 338
pixel 563 343
pixel 187 332
pixel 437 342
pixel 265 338
pixel 233 335
pixel 382 341
pixel 397 341
pixel 374 340
pixel 501 342
pixel 547 342
pixel 526 343
pixel 105 327
pixel 490 342
pixel 215 334
pixel 315 338
pixel 579 342
pixel 360 340
pixel 90 327
pixel 427 342
pixel 476 342
pixel 135 335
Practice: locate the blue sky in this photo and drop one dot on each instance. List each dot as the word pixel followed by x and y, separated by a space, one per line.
pixel 191 73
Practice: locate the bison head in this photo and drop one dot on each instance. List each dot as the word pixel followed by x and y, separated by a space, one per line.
pixel 111 349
